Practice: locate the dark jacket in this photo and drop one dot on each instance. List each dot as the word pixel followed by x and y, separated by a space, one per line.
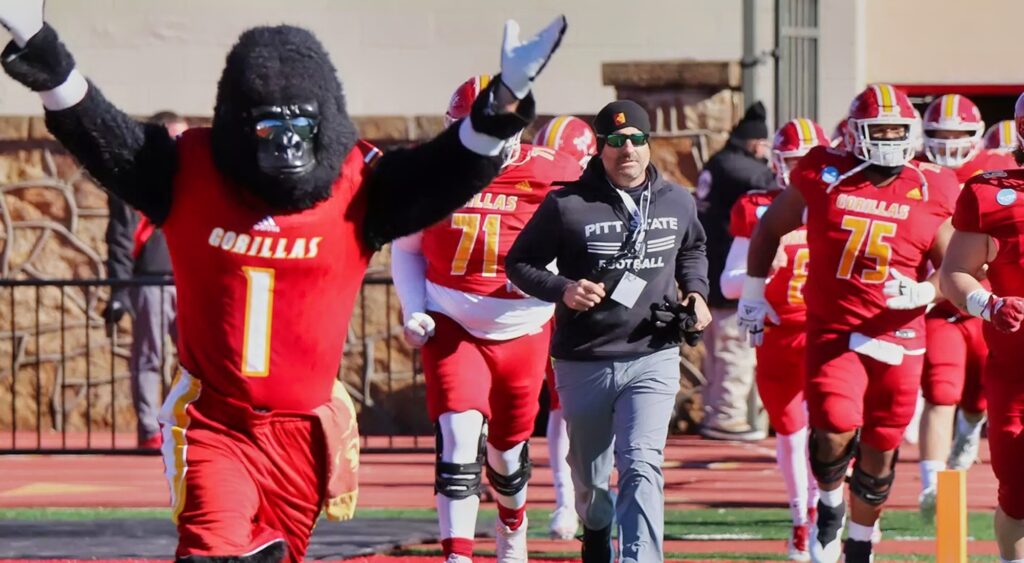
pixel 730 173
pixel 122 237
pixel 580 227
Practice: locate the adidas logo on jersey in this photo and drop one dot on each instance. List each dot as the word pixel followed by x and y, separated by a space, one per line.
pixel 915 194
pixel 267 225
pixel 524 186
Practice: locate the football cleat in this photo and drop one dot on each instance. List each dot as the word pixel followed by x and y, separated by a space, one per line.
pixel 858 552
pixel 796 546
pixel 826 537
pixel 564 523
pixel 510 545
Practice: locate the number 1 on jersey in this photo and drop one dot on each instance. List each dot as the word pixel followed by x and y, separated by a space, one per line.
pixel 259 303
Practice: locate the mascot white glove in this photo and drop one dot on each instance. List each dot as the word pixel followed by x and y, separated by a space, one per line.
pixel 906 293
pixel 752 310
pixel 418 329
pixel 521 62
pixel 22 18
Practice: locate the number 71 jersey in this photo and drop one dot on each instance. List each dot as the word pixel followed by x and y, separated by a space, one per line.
pixel 858 233
pixel 466 251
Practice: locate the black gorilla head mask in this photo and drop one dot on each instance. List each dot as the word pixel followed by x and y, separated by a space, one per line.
pixel 280 128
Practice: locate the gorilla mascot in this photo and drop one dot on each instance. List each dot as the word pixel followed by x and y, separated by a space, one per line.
pixel 271 217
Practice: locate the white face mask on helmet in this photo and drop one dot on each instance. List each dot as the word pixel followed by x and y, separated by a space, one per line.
pixel 887 152
pixel 511 149
pixel 952 153
pixel 952 112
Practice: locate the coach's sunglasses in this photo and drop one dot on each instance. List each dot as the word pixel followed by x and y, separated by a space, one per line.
pixel 303 127
pixel 618 140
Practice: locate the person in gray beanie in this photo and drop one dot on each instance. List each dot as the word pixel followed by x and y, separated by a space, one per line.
pixel 731 404
pixel 631 285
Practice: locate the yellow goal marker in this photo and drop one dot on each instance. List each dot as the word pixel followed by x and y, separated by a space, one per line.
pixel 951 517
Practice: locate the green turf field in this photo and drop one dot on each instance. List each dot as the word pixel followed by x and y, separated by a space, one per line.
pixel 704 524
pixel 753 524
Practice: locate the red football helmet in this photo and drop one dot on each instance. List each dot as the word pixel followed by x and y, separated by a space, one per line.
pixel 462 100
pixel 839 134
pixel 1018 118
pixel 881 104
pixel 952 112
pixel 1001 137
pixel 461 104
pixel 792 141
pixel 569 134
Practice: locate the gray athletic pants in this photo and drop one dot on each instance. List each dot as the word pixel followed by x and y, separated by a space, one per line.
pixel 155 318
pixel 628 402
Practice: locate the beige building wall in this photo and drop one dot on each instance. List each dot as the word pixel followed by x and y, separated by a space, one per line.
pixel 943 41
pixel 395 57
pixel 842 62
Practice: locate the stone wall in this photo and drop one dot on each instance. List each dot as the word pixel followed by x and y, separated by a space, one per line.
pixel 67 372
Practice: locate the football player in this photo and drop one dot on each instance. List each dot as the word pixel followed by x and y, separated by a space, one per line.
pixel 838 139
pixel 955 350
pixel 989 222
pixel 1001 137
pixel 574 137
pixel 780 358
pixel 872 216
pixel 484 344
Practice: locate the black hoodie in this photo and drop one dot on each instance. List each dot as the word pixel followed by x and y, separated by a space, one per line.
pixel 580 227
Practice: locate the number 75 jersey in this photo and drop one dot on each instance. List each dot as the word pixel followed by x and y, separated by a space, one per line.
pixel 466 251
pixel 858 234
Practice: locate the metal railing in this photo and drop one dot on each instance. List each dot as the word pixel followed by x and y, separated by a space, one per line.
pixel 65 385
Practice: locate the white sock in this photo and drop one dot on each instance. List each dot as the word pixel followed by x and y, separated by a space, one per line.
pixel 558 449
pixel 858 532
pixel 834 497
pixel 930 472
pixel 460 443
pixel 506 463
pixel 791 455
pixel 965 427
pixel 812 488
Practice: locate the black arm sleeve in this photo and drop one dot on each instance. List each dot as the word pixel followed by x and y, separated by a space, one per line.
pixel 411 189
pixel 133 160
pixel 120 237
pixel 692 259
pixel 535 247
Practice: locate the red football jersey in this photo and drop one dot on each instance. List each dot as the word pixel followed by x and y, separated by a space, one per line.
pixel 785 288
pixel 857 233
pixel 466 251
pixel 985 160
pixel 264 300
pixel 993 203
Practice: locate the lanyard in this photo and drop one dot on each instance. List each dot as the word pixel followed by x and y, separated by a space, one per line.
pixel 639 232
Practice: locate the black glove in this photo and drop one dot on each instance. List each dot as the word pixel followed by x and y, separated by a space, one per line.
pixel 115 310
pixel 676 321
pixel 43 64
pixel 501 125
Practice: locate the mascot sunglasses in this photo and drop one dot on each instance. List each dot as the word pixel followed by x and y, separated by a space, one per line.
pixel 303 127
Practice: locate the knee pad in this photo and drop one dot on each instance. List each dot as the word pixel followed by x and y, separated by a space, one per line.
pixel 831 471
pixel 272 553
pixel 458 480
pixel 870 489
pixel 510 485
